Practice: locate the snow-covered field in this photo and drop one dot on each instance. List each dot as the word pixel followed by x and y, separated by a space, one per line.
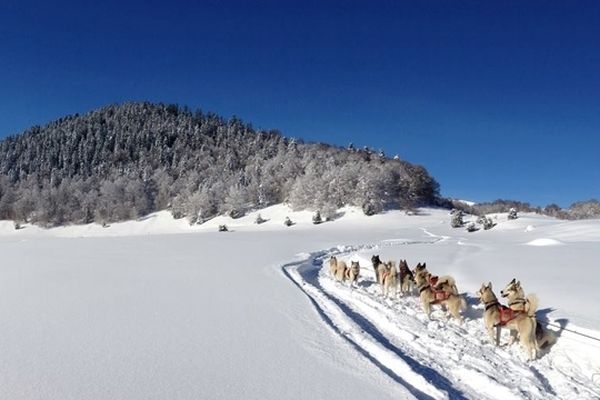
pixel 157 309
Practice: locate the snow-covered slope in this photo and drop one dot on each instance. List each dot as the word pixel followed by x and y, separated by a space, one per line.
pixel 156 309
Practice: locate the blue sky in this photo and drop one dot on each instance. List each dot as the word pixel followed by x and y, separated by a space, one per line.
pixel 496 100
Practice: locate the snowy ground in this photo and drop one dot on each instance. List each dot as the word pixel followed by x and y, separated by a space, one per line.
pixel 156 309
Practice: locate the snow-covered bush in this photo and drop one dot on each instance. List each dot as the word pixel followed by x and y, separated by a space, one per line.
pixel 369 208
pixel 471 227
pixel 512 214
pixel 223 228
pixel 288 222
pixel 486 221
pixel 259 220
pixel 457 219
pixel 316 219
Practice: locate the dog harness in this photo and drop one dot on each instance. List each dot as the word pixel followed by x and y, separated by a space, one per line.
pixel 438 295
pixel 507 314
pixel 518 301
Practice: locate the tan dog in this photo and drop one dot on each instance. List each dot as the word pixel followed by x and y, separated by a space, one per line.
pixel 388 278
pixel 444 295
pixel 377 267
pixel 352 272
pixel 494 316
pixel 518 302
pixel 435 281
pixel 341 271
pixel 332 266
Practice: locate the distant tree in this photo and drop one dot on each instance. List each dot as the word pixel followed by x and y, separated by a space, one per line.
pixel 316 219
pixel 457 219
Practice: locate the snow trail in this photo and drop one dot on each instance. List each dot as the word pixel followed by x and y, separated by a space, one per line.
pixel 435 357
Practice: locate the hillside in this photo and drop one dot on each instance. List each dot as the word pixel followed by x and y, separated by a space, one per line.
pixel 125 161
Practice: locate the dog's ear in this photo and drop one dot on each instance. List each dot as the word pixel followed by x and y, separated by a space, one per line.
pixel 489 285
pixel 513 281
pixel 519 283
pixel 424 265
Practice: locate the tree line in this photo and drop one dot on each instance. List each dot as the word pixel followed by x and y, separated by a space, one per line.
pixel 124 161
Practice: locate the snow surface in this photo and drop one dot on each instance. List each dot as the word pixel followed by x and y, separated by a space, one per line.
pixel 156 309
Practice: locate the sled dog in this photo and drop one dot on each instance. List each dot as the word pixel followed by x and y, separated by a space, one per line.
pixel 406 278
pixel 378 267
pixel 388 278
pixel 352 272
pixel 443 295
pixel 523 322
pixel 517 301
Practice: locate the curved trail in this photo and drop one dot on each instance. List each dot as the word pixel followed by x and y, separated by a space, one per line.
pixel 435 358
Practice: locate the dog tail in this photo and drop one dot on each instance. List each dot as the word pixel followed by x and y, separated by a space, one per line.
pixel 463 303
pixel 532 304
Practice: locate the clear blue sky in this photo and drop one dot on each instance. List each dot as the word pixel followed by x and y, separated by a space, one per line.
pixel 496 100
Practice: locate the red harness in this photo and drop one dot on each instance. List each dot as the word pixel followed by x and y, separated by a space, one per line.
pixel 439 296
pixel 507 314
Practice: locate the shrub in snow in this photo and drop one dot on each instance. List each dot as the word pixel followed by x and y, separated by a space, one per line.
pixel 223 228
pixel 369 208
pixel 259 220
pixel 288 222
pixel 471 227
pixel 316 219
pixel 17 225
pixel 329 212
pixel 457 219
pixel 486 222
pixel 512 214
pixel 235 213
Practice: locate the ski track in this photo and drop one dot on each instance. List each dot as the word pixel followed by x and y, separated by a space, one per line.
pixel 434 358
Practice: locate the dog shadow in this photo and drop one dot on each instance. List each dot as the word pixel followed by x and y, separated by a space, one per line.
pixel 473 310
pixel 366 283
pixel 542 317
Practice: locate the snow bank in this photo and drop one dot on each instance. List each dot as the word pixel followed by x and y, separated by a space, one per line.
pixel 544 242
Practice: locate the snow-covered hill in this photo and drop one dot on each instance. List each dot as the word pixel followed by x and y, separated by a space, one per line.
pixel 156 309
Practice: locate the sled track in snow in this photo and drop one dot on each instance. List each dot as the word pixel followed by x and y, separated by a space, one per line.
pixel 433 358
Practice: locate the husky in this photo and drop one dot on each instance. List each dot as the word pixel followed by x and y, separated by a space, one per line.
pixel 444 295
pixel 420 269
pixel 517 301
pixel 341 271
pixel 352 272
pixel 378 267
pixel 332 266
pixel 406 278
pixel 435 281
pixel 496 316
pixel 389 278
pixel 444 282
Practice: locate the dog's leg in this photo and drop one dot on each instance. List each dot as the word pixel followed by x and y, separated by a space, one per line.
pixel 498 335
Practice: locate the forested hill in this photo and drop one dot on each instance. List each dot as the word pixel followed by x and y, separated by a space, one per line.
pixel 124 161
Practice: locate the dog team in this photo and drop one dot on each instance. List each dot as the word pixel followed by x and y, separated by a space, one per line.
pixel 518 316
